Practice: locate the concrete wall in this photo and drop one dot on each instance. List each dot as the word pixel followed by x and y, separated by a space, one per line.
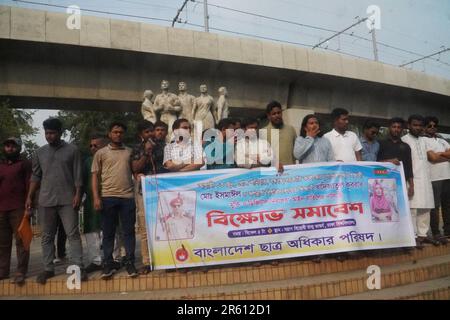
pixel 109 63
pixel 35 25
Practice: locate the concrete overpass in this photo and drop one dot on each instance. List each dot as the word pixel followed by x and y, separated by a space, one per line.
pixel 108 63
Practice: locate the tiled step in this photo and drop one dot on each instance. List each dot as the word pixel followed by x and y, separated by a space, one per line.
pixel 219 276
pixel 437 289
pixel 323 286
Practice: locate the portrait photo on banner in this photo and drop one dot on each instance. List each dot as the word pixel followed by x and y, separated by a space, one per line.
pixel 383 200
pixel 176 215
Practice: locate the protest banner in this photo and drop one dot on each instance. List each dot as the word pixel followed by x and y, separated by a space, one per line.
pixel 236 215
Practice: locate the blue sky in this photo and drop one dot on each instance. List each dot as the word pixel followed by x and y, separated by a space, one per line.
pixel 419 26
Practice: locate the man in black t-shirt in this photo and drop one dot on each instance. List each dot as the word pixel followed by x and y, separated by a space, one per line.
pixel 394 150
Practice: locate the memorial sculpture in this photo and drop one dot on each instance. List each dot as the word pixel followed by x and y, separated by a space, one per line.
pixel 147 108
pixel 167 105
pixel 222 104
pixel 205 109
pixel 187 101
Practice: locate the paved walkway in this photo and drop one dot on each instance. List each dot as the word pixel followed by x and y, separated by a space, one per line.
pixel 36 264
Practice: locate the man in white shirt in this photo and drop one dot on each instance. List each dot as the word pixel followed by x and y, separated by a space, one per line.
pixel 182 154
pixel 346 145
pixel 422 201
pixel 253 151
pixel 439 156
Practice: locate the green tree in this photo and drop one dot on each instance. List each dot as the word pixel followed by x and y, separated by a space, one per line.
pixel 83 124
pixel 17 123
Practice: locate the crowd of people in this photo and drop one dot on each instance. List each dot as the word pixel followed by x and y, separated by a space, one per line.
pixel 107 184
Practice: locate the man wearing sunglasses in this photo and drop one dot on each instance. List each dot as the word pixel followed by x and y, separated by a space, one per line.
pixel 439 156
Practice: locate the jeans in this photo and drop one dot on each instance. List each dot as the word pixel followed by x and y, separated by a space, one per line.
pixel 113 210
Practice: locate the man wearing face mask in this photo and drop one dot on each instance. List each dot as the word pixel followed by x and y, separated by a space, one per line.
pixel 15 175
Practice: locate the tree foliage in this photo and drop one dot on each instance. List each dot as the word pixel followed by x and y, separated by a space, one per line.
pixel 17 123
pixel 81 125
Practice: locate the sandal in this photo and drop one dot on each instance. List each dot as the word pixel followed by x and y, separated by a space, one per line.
pixel 145 270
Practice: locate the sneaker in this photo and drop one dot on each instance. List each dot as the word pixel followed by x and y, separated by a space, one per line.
pixel 116 265
pixel 108 272
pixel 131 270
pixel 42 278
pixel 19 279
pixel 92 268
pixel 60 260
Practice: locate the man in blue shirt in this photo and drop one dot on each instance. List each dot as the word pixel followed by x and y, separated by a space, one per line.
pixel 368 141
pixel 220 153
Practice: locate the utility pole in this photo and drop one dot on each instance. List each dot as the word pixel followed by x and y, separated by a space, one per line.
pixel 340 32
pixel 205 12
pixel 178 12
pixel 375 48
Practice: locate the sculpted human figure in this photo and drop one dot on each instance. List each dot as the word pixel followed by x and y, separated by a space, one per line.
pixel 168 105
pixel 204 109
pixel 147 109
pixel 222 104
pixel 187 101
